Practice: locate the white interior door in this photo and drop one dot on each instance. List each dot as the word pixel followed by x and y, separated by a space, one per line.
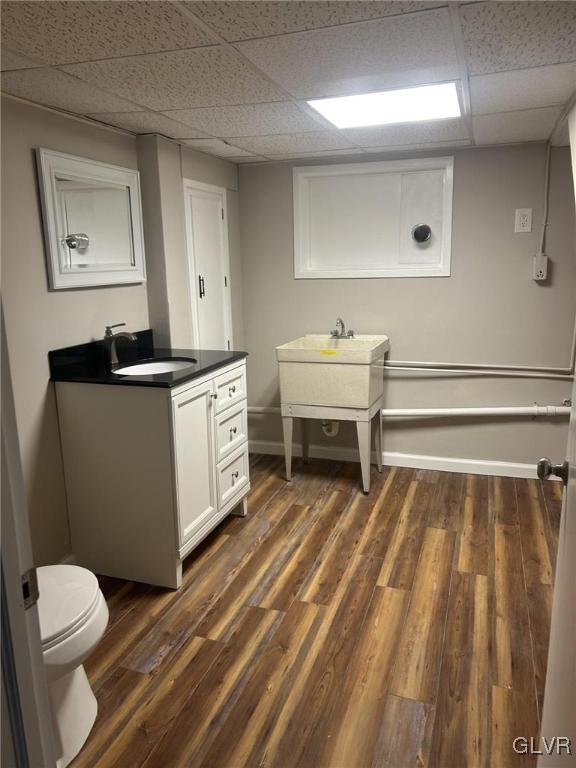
pixel 208 260
pixel 559 715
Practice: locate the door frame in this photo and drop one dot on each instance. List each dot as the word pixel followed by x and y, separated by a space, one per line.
pixel 24 678
pixel 190 186
pixel 559 711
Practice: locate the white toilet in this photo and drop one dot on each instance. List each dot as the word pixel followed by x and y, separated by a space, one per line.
pixel 73 617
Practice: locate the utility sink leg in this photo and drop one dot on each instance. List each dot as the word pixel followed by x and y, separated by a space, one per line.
pixel 305 440
pixel 364 429
pixel 287 426
pixel 379 441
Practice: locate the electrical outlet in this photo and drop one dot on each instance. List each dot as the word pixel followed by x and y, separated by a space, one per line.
pixel 523 220
pixel 540 267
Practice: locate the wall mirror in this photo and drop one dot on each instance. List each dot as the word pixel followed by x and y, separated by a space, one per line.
pixel 92 221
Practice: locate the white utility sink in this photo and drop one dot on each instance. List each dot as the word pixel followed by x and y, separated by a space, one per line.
pixel 353 377
pixel 148 368
pixel 323 348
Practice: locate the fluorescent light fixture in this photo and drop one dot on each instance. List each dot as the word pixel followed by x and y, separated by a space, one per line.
pixel 406 105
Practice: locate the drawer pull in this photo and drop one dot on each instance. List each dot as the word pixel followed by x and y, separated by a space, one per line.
pixel 233 431
pixel 231 390
pixel 214 396
pixel 235 476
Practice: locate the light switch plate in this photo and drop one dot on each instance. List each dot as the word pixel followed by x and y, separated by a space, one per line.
pixel 523 220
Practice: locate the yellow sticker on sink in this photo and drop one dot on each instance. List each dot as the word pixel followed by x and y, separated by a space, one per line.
pixel 328 352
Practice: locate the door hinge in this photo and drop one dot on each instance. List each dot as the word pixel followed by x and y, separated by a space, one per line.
pixel 225 282
pixel 228 342
pixel 30 593
pixel 222 214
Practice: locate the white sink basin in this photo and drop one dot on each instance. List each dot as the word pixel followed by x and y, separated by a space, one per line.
pixel 157 366
pixel 322 348
pixel 353 378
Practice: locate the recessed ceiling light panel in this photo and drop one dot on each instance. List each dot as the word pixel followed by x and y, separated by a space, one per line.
pixel 406 105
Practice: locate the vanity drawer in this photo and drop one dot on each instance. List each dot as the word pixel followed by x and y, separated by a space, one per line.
pixel 230 388
pixel 231 429
pixel 233 475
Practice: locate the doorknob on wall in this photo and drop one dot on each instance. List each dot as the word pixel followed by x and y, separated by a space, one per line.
pixel 545 469
pixel 77 240
pixel 421 233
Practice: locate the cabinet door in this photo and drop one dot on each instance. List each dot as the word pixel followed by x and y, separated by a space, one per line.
pixel 194 457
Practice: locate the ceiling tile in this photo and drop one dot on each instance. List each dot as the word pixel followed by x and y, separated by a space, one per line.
pixel 522 88
pixel 506 127
pixel 10 60
pixel 56 89
pixel 408 133
pixel 248 119
pixel 518 35
pixel 203 77
pixel 58 32
pixel 293 142
pixel 391 52
pixel 248 159
pixel 216 147
pixel 245 20
pixel 147 122
pixel 424 147
pixel 316 155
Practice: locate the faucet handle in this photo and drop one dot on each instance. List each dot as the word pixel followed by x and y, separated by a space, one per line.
pixel 109 328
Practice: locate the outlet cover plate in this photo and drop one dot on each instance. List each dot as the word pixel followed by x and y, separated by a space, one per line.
pixel 540 268
pixel 523 220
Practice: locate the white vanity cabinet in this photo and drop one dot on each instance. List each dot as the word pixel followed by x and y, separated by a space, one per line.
pixel 150 471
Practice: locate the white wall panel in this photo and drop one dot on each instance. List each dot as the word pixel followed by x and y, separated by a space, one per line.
pixel 356 220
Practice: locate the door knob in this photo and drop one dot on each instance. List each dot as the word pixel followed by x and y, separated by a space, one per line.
pixel 545 469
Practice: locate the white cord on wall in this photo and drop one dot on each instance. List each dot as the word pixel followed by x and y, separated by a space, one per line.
pixel 546 198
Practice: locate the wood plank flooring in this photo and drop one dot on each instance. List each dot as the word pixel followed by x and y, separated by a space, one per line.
pixel 330 629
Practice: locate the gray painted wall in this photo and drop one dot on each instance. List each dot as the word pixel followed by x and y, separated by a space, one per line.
pixel 37 319
pixel 489 310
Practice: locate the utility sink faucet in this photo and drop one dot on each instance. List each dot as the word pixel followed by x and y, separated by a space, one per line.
pixel 111 338
pixel 340 331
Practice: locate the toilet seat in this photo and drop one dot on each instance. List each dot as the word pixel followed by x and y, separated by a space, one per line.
pixel 69 596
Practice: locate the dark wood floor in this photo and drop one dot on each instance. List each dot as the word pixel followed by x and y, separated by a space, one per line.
pixel 404 628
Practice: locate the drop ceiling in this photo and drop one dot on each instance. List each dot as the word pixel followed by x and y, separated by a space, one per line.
pixel 232 78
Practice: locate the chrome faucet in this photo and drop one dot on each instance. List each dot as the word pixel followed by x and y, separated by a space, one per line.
pixel 340 331
pixel 111 338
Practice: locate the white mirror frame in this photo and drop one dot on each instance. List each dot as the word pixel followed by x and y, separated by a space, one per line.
pixel 50 164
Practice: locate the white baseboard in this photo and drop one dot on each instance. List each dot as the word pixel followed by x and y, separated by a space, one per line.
pixel 417 461
pixel 468 466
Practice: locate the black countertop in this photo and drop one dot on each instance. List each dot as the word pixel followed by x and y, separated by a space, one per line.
pixel 89 363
